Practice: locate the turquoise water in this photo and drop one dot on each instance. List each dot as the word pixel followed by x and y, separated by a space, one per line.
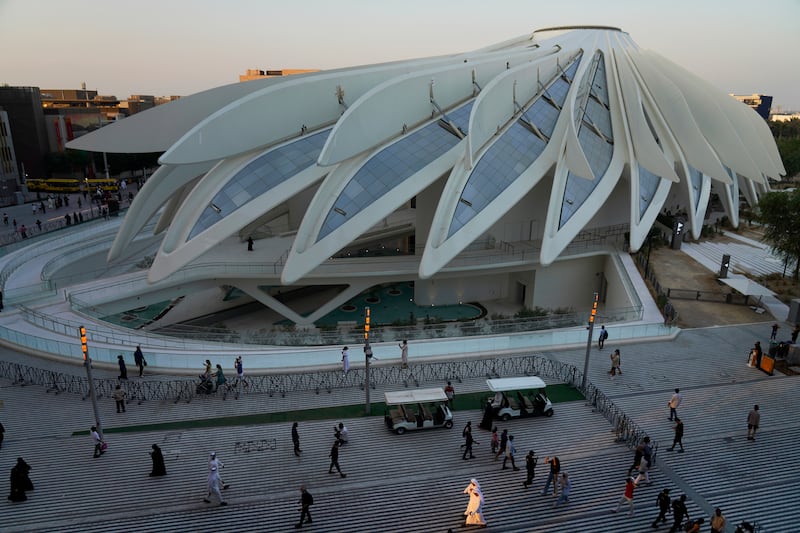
pixel 388 304
pixel 394 303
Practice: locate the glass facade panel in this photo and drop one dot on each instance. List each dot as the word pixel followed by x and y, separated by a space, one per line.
pixel 597 150
pixel 513 152
pixel 260 175
pixel 696 179
pixel 648 184
pixel 391 166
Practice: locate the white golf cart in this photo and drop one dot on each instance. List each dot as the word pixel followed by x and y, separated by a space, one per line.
pixel 519 397
pixel 417 409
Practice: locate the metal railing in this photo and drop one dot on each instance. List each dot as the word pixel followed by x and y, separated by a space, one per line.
pixel 626 430
pixel 183 336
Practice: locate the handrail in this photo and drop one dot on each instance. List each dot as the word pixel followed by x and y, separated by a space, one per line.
pixel 177 389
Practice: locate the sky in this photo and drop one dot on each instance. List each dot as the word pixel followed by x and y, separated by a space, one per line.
pixel 180 47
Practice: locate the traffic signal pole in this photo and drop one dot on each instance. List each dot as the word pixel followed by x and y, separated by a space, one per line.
pixel 367 357
pixel 589 341
pixel 87 362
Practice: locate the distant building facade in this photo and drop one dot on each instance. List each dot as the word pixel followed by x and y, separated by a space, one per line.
pixel 9 170
pixel 258 74
pixel 26 122
pixel 760 103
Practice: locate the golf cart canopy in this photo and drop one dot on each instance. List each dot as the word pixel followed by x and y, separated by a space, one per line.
pixel 512 384
pixel 415 396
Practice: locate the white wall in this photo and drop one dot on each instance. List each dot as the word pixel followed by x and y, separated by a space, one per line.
pixel 568 283
pixel 463 289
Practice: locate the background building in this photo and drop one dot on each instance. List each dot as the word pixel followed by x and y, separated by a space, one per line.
pixel 258 74
pixel 758 102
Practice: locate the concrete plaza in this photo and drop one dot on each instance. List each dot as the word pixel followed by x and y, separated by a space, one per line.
pixel 414 482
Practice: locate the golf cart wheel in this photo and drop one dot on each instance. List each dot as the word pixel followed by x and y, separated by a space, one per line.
pixel 506 417
pixel 449 424
pixel 400 431
pixel 549 412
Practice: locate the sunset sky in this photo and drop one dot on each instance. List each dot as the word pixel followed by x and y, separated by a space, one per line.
pixel 179 47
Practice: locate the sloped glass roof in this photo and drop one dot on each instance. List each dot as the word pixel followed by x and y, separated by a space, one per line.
pixel 394 164
pixel 595 137
pixel 265 172
pixel 513 152
pixel 696 180
pixel 648 184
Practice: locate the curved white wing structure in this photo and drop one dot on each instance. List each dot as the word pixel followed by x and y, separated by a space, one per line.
pixel 451 165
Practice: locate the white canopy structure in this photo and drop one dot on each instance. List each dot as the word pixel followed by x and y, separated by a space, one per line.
pixel 474 171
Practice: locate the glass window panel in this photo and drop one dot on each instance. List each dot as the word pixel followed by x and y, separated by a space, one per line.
pixel 260 175
pixel 648 184
pixel 394 164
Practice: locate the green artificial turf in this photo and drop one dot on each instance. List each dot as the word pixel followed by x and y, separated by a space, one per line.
pixel 557 393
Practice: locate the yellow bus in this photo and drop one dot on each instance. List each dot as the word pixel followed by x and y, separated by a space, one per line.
pixel 71 185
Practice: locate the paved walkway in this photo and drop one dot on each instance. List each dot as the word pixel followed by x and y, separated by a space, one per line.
pixel 414 482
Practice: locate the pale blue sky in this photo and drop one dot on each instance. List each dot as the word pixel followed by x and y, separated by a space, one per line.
pixel 165 47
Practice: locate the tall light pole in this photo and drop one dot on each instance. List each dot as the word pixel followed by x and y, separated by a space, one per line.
pixel 87 362
pixel 367 357
pixel 589 340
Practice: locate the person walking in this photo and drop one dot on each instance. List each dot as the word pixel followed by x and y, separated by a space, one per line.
pixel 215 464
pixel 296 440
pixel 341 433
pixel 474 511
pixel 641 449
pixel 673 404
pixel 20 481
pixel 138 359
pixel 450 392
pixel 345 360
pixel 753 419
pixel 552 477
pixel 98 442
pixel 615 363
pixel 503 444
pixel 627 496
pixel 403 353
pixel 662 502
pixel 239 367
pixel 774 333
pixel 718 521
pixel 249 244
pixel 510 452
pixel 123 370
pixel 678 436
pixel 530 468
pixel 795 332
pixel 159 468
pixel 213 485
pixel 494 440
pixel 566 488
pixel 221 380
pixel 679 512
pixel 644 471
pixel 119 396
pixel 601 339
pixel 468 442
pixel 306 501
pixel 334 455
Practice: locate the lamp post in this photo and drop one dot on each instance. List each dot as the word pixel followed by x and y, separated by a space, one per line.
pixel 87 362
pixel 367 357
pixel 589 340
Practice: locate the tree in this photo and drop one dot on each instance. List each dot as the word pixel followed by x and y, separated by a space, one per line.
pixel 779 213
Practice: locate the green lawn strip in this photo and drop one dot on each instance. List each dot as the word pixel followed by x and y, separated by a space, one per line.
pixel 471 401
